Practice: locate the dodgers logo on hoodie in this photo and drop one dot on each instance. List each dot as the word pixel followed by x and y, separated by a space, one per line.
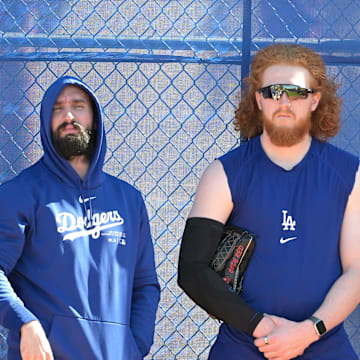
pixel 78 226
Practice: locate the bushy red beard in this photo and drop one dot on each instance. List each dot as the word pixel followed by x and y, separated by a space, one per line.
pixel 287 135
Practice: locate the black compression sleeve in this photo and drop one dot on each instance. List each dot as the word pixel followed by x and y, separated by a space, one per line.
pixel 202 284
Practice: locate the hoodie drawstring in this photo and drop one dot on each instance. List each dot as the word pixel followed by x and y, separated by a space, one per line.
pixel 88 210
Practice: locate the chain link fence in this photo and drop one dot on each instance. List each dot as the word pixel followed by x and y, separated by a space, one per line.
pixel 168 74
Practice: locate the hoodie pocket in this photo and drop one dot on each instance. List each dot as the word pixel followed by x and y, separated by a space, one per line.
pixel 75 338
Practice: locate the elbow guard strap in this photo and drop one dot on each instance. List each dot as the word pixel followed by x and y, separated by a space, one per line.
pixel 202 284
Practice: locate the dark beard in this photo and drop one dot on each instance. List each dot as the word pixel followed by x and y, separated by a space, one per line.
pixel 285 136
pixel 82 143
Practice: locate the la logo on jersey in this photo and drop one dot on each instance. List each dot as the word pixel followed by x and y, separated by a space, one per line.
pixel 288 222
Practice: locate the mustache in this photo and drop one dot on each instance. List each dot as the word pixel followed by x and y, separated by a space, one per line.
pixel 284 112
pixel 76 125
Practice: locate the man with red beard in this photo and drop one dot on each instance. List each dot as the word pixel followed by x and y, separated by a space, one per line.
pixel 300 196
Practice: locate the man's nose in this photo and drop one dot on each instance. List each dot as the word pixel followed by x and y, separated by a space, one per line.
pixel 69 117
pixel 284 99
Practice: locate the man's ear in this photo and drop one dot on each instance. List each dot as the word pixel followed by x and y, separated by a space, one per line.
pixel 315 100
pixel 258 97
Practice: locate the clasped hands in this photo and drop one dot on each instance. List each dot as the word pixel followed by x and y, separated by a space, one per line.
pixel 281 339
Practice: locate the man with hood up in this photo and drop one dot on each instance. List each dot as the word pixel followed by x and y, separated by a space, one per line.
pixel 77 273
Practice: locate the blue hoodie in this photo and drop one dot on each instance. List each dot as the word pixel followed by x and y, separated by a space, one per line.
pixel 76 254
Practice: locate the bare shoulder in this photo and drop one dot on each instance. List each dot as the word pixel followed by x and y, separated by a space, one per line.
pixel 350 231
pixel 214 174
pixel 354 198
pixel 357 181
pixel 213 197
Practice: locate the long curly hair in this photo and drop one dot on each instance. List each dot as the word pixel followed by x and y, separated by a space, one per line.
pixel 325 120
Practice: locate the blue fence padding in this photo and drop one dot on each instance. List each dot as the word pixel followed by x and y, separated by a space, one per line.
pixel 168 74
pixel 220 45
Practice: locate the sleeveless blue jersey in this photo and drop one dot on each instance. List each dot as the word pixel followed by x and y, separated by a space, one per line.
pixel 296 216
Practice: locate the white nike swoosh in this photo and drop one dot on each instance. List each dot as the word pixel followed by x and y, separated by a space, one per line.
pixel 81 200
pixel 284 241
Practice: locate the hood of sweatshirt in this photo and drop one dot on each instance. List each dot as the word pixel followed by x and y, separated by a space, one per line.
pixel 56 164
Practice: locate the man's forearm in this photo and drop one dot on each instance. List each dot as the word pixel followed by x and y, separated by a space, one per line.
pixel 202 284
pixel 13 313
pixel 341 300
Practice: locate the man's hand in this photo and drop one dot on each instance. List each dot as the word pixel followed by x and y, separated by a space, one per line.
pixel 34 344
pixel 287 340
pixel 264 327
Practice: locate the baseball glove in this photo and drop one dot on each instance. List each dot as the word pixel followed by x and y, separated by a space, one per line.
pixel 233 255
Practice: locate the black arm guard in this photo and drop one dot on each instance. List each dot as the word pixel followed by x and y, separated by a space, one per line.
pixel 202 284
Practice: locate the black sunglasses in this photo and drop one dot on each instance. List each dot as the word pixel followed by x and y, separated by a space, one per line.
pixel 292 91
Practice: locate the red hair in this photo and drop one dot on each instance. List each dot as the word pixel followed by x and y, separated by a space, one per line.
pixel 325 120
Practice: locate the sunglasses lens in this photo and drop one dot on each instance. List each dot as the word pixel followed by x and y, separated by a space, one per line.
pixel 293 91
pixel 277 91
